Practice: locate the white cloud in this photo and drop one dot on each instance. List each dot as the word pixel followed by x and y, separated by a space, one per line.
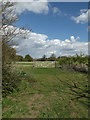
pixel 14 46
pixel 73 38
pixel 36 7
pixel 12 12
pixel 83 17
pixel 67 40
pixel 39 44
pixel 83 10
pixel 56 11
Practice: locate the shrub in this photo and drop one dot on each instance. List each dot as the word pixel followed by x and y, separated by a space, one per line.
pixel 10 80
pixel 78 63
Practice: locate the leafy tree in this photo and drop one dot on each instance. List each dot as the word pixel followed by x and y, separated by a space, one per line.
pixel 19 58
pixel 28 58
pixel 39 59
pixel 44 58
pixel 8 54
pixel 52 57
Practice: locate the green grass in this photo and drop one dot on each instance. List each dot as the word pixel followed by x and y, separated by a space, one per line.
pixel 48 97
pixel 23 63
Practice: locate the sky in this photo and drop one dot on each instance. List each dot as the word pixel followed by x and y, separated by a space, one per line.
pixel 57 27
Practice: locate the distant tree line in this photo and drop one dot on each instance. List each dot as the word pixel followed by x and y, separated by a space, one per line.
pixel 76 62
pixel 28 58
pixel 63 59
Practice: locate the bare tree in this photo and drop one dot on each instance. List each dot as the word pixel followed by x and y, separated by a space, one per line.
pixel 9 31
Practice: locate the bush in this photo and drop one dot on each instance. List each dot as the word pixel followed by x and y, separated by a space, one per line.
pixel 10 80
pixel 77 63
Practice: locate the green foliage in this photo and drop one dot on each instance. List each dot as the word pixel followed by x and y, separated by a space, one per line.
pixel 10 80
pixel 52 58
pixel 28 58
pixel 19 58
pixel 44 58
pixel 79 63
pixel 8 53
pixel 9 76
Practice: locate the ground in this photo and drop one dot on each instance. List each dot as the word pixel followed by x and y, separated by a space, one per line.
pixel 47 96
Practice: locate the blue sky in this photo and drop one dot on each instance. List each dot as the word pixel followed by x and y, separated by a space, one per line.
pixel 56 26
pixel 56 20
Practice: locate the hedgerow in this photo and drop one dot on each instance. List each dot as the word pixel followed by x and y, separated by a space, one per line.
pixel 78 63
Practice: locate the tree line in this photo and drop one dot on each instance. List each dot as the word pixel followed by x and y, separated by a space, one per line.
pixel 29 58
pixel 63 59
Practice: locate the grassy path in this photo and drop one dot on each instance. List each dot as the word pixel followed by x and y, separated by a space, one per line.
pixel 48 97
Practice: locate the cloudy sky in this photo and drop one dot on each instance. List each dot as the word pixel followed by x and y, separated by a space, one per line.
pixel 57 27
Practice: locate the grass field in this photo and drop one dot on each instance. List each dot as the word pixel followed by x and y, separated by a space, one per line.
pixel 47 97
pixel 24 63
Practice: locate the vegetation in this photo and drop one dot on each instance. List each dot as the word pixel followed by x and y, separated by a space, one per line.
pixel 78 63
pixel 48 97
pixel 52 57
pixel 28 58
pixel 10 78
pixel 24 63
pixel 8 53
pixel 41 92
pixel 44 58
pixel 19 58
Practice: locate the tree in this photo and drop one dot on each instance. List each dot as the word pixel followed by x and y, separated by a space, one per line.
pixel 19 58
pixel 44 58
pixel 52 57
pixel 28 58
pixel 9 77
pixel 8 17
pixel 9 32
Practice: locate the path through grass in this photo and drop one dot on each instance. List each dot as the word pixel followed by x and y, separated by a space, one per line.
pixel 48 97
